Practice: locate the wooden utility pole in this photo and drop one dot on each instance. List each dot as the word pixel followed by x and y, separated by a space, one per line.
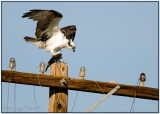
pixel 58 97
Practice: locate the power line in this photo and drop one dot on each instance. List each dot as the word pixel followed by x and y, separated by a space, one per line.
pixel 34 96
pixel 38 75
pixel 15 96
pixel 34 93
pixel 15 91
pixel 133 103
pixel 100 87
pixel 75 101
pixel 8 93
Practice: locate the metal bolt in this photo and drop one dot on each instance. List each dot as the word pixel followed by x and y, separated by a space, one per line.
pixel 63 82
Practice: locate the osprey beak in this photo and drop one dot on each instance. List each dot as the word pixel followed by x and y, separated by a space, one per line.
pixel 73 49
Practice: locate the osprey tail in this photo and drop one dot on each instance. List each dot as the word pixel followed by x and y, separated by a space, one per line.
pixel 30 39
pixel 39 44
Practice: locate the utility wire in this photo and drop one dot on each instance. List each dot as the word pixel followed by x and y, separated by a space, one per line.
pixel 34 96
pixel 98 84
pixel 8 92
pixel 133 103
pixel 15 97
pixel 34 91
pixel 75 101
pixel 100 87
pixel 38 75
pixel 15 91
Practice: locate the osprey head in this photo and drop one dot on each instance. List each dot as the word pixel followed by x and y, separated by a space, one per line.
pixel 69 32
pixel 71 45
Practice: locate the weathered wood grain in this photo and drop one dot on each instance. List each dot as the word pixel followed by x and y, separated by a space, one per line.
pixel 79 84
pixel 58 97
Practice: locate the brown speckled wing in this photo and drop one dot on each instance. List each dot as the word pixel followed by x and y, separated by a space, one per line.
pixel 69 32
pixel 48 21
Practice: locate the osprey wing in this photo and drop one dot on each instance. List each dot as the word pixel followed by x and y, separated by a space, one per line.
pixel 47 24
pixel 69 32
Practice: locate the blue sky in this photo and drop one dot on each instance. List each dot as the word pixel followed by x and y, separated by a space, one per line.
pixel 114 40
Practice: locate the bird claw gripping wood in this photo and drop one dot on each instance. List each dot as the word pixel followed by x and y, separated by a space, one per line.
pixel 54 59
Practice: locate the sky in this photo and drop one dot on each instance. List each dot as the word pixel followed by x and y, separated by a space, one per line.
pixel 114 40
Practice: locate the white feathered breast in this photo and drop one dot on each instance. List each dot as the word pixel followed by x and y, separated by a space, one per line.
pixel 56 42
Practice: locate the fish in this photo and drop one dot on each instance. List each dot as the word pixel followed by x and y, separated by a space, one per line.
pixel 55 58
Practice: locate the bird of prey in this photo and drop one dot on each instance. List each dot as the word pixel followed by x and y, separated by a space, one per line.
pixel 48 35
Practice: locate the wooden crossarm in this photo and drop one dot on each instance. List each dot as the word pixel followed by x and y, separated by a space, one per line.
pixel 79 84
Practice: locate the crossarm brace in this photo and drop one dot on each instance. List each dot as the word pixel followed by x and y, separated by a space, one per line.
pixel 103 98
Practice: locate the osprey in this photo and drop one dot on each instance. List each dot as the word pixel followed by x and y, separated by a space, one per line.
pixel 48 35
